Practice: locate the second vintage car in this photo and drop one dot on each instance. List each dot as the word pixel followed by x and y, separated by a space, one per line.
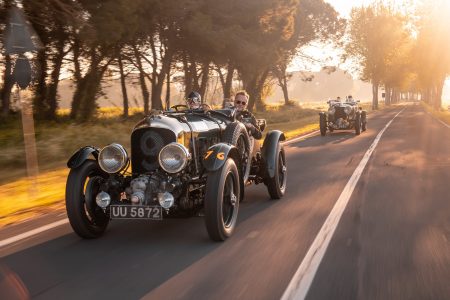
pixel 183 163
pixel 343 116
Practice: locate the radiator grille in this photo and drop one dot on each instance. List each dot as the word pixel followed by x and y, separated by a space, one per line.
pixel 145 146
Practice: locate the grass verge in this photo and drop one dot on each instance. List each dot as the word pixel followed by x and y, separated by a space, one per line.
pixel 443 115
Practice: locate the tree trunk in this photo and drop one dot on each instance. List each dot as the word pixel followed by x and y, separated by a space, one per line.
pixel 254 84
pixel 40 105
pixel 439 89
pixel 123 85
pixel 145 93
pixel 76 60
pixel 374 96
pixel 228 82
pixel 52 89
pixel 158 85
pixel 8 83
pixel 83 104
pixel 168 91
pixel 204 83
pixel 88 105
pixel 283 85
pixel 187 76
pixel 387 98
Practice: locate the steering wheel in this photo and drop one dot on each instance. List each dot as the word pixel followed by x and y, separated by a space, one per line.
pixel 176 107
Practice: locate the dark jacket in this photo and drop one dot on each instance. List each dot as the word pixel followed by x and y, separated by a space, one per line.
pixel 249 120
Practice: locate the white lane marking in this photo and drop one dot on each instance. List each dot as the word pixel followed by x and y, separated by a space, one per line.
pixel 302 137
pixel 301 282
pixel 30 233
pixel 439 120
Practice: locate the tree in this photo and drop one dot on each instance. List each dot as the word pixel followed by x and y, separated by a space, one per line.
pixel 375 35
pixel 431 53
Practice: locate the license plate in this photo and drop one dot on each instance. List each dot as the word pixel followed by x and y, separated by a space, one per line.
pixel 135 212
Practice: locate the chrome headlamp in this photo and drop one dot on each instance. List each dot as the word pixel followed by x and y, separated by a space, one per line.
pixel 331 110
pixel 113 158
pixel 347 110
pixel 174 157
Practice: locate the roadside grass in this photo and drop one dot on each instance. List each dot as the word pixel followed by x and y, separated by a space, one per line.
pixel 23 198
pixel 442 114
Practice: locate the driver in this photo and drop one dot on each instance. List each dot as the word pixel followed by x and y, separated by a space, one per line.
pixel 194 100
pixel 246 117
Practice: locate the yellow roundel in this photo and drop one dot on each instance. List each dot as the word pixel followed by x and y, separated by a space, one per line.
pixel 221 155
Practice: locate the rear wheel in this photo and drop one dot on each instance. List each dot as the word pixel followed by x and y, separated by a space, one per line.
pixel 83 184
pixel 323 124
pixel 364 121
pixel 236 134
pixel 358 124
pixel 277 184
pixel 221 201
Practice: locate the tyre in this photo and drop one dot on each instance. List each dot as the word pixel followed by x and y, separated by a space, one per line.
pixel 276 186
pixel 221 201
pixel 323 124
pixel 236 134
pixel 364 121
pixel 83 183
pixel 358 124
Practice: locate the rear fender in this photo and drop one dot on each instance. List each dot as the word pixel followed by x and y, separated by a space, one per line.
pixel 81 155
pixel 269 150
pixel 216 156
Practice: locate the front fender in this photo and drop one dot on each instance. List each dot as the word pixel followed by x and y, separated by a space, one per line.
pixel 269 150
pixel 216 156
pixel 81 155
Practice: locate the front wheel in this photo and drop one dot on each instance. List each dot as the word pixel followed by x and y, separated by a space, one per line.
pixel 323 124
pixel 83 184
pixel 221 201
pixel 277 184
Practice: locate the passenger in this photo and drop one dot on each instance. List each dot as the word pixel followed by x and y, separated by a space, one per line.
pixel 246 117
pixel 194 100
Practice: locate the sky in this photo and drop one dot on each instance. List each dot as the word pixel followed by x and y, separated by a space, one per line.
pixel 345 6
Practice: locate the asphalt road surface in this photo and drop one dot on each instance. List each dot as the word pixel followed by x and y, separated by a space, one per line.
pixel 392 241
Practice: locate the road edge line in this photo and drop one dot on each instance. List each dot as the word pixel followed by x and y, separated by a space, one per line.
pixel 301 281
pixel 439 120
pixel 32 232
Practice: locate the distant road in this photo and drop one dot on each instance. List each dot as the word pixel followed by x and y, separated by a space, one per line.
pixel 392 241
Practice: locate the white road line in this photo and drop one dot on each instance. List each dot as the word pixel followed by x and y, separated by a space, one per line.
pixel 439 120
pixel 301 282
pixel 30 233
pixel 302 137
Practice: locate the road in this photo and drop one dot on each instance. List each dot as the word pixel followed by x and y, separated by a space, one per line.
pixel 392 241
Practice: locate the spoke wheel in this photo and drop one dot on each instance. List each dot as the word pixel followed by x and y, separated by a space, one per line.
pixel 222 201
pixel 83 183
pixel 276 185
